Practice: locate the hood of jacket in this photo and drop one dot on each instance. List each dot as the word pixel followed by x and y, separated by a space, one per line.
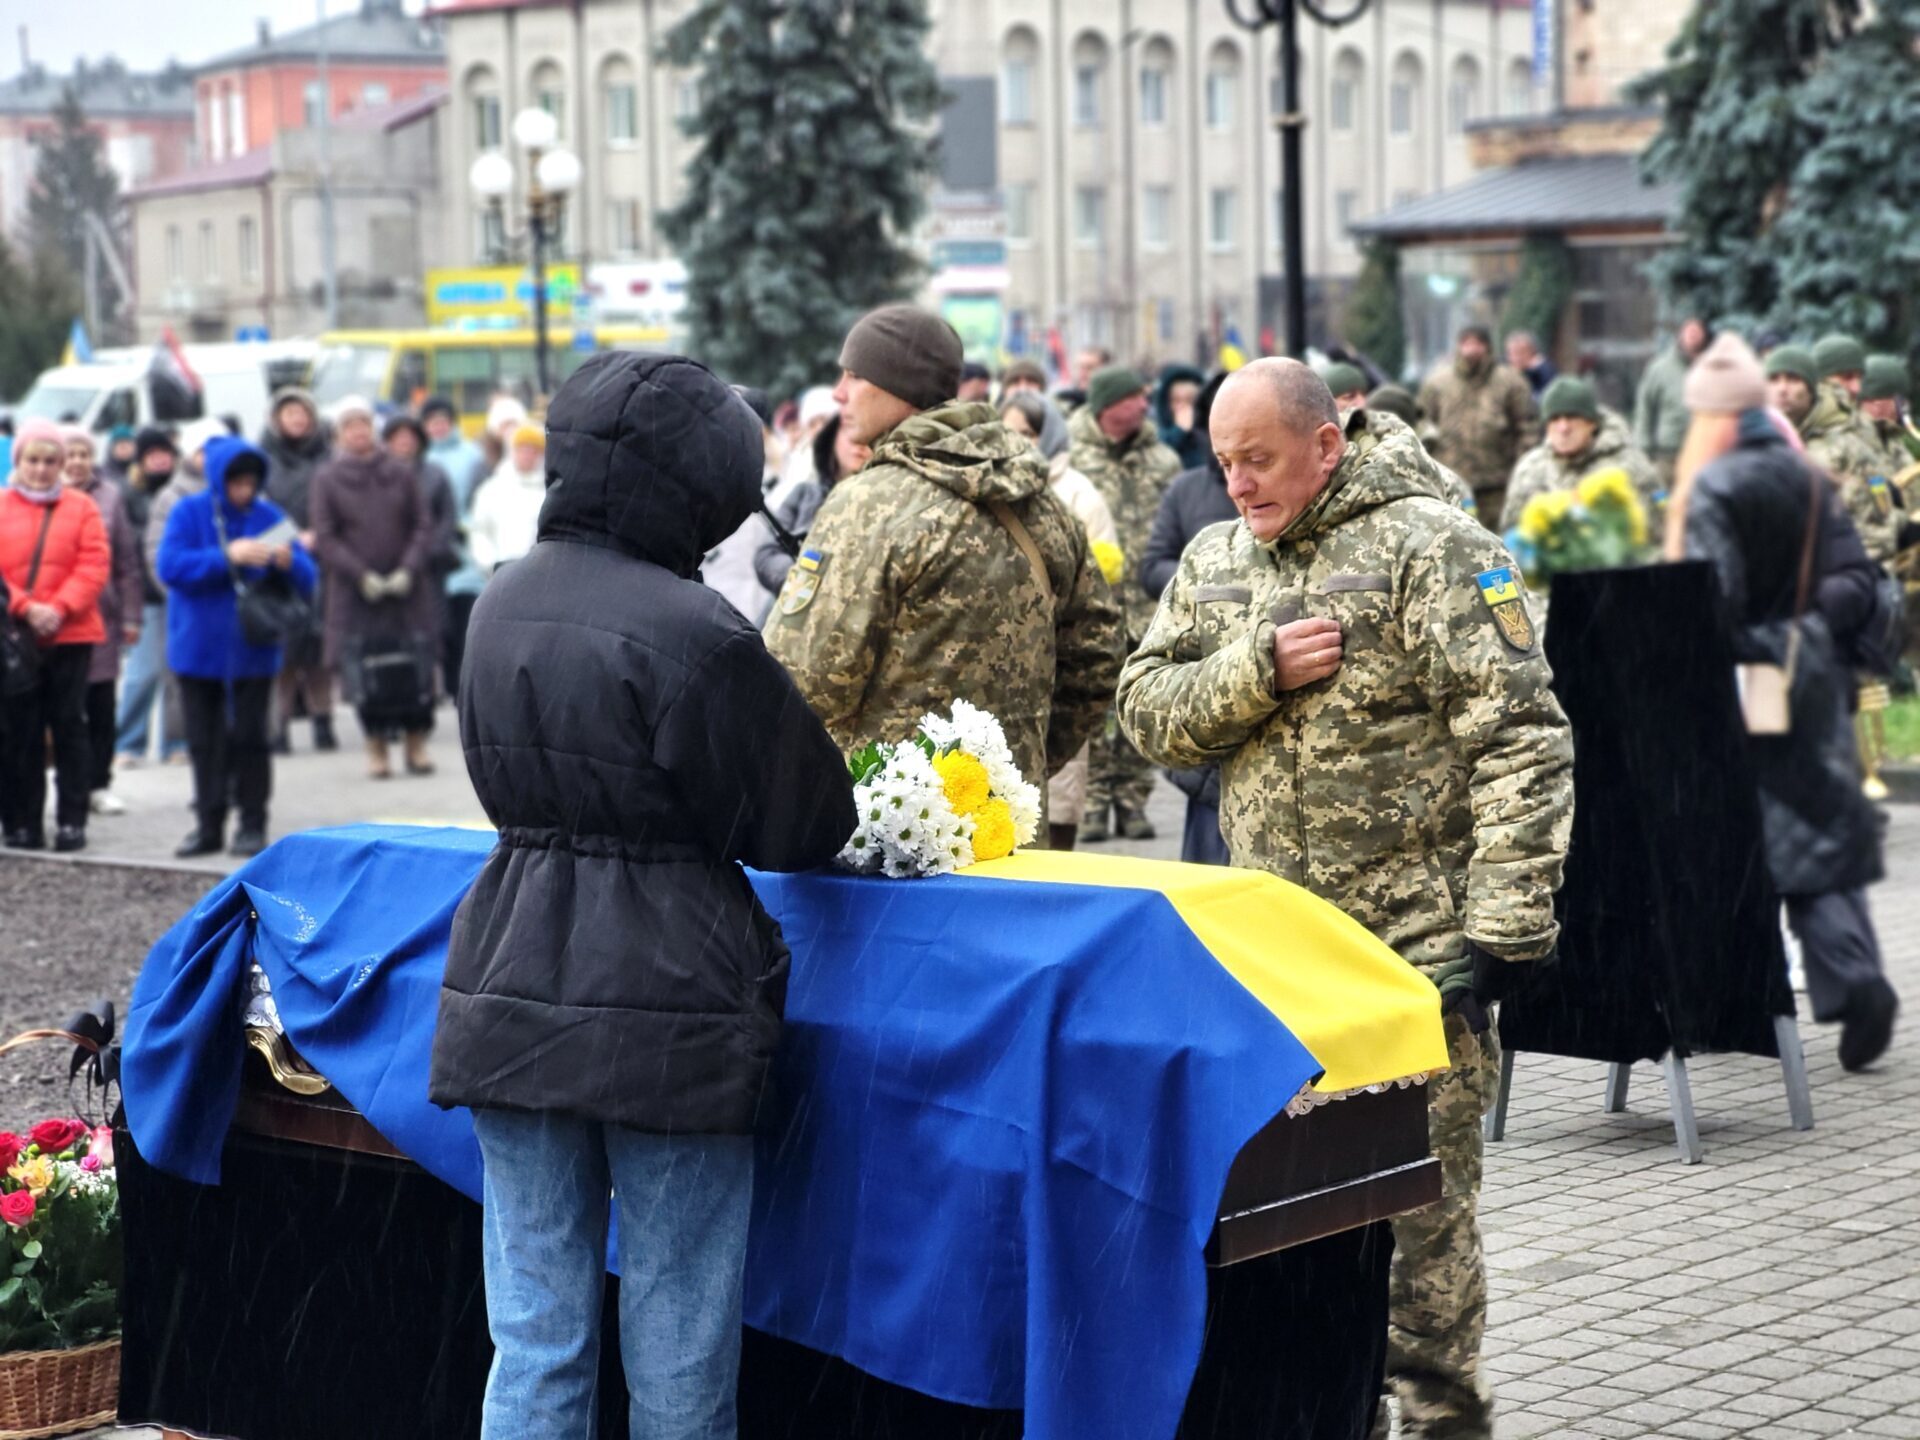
pixel 1829 413
pixel 966 449
pixel 1171 375
pixel 650 455
pixel 311 446
pixel 219 457
pixel 1385 461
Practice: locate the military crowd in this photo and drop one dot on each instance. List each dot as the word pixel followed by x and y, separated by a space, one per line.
pixel 1316 627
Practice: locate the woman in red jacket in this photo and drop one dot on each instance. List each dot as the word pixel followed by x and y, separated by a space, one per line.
pixel 55 562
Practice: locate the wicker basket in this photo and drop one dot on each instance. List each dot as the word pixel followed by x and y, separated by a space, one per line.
pixel 55 1392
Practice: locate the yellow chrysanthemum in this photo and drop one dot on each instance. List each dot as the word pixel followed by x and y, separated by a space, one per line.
pixel 36 1174
pixel 964 779
pixel 1543 512
pixel 1111 560
pixel 1615 487
pixel 993 831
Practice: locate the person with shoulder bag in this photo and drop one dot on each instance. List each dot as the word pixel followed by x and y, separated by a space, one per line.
pixel 1799 594
pixel 239 584
pixel 55 561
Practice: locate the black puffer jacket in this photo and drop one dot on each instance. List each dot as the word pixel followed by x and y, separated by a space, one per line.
pixel 635 743
pixel 1194 500
pixel 1748 515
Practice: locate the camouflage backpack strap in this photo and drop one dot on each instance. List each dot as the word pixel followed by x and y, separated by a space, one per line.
pixel 1017 528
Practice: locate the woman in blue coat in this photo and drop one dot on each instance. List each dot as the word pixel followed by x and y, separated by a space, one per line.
pixel 213 544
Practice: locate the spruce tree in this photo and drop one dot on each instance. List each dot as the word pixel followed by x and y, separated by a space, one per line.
pixel 38 300
pixel 814 126
pixel 1784 129
pixel 1376 326
pixel 71 180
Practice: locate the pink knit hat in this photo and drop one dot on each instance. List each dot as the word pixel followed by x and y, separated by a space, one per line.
pixel 76 435
pixel 1726 379
pixel 37 432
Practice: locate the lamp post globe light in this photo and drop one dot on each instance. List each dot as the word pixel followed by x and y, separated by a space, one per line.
pixel 553 174
pixel 1256 15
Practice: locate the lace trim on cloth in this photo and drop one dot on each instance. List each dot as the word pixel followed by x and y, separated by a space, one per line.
pixel 1310 1099
pixel 258 1009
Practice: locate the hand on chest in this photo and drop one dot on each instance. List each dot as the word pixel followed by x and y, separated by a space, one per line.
pixel 1337 622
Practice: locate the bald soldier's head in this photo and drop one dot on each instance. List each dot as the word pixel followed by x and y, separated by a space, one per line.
pixel 1278 437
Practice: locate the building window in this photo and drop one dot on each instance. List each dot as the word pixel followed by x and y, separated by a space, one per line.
pixel 1402 99
pixel 1223 204
pixel 1519 88
pixel 1220 87
pixel 686 99
pixel 549 92
pixel 1019 214
pixel 373 95
pixel 1153 98
pixel 216 129
pixel 1090 217
pixel 312 109
pixel 492 238
pixel 1463 95
pixel 623 227
pixel 623 114
pixel 209 254
pixel 1016 92
pixel 1345 101
pixel 1086 96
pixel 1156 217
pixel 176 257
pixel 236 122
pixel 249 248
pixel 1345 204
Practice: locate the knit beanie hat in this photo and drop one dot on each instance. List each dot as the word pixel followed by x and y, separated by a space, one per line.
pixel 38 431
pixel 1886 379
pixel 1793 360
pixel 151 439
pixel 1112 385
pixel 1569 395
pixel 530 434
pixel 1395 401
pixel 1726 379
pixel 1839 355
pixel 907 353
pixel 1023 370
pixel 438 405
pixel 1343 378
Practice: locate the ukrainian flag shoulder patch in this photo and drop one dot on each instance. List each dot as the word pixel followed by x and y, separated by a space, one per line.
pixel 1507 604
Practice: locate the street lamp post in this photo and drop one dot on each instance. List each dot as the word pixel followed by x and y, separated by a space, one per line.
pixel 553 174
pixel 1255 15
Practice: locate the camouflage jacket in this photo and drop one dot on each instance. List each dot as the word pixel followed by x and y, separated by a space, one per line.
pixel 911 594
pixel 1131 476
pixel 1540 471
pixel 1426 788
pixel 1485 422
pixel 1843 442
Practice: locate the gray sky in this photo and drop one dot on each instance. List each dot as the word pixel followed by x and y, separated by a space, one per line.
pixel 144 33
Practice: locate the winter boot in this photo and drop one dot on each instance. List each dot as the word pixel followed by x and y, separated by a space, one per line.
pixel 377 766
pixel 323 737
pixel 418 761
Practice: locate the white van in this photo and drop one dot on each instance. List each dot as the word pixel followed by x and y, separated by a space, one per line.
pixel 113 388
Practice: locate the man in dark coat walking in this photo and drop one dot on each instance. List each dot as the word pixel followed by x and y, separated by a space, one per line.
pixel 613 990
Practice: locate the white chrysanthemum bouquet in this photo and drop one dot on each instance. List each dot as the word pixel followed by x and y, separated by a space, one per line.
pixel 938 802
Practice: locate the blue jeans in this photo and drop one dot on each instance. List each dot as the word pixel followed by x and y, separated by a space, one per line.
pixel 684 1202
pixel 142 672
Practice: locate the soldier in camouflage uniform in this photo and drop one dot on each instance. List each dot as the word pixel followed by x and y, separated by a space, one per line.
pixel 1838 441
pixel 1357 657
pixel 916 586
pixel 1582 439
pixel 1485 416
pixel 1116 446
pixel 1396 401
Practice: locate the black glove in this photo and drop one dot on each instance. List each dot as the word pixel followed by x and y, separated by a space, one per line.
pixel 1909 535
pixel 1495 979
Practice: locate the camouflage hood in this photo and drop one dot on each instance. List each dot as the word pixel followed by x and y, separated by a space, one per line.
pixel 1609 440
pixel 1385 461
pixel 1084 428
pixel 1830 412
pixel 966 449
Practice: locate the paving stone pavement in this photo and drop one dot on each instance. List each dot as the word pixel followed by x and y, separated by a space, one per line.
pixel 1772 1291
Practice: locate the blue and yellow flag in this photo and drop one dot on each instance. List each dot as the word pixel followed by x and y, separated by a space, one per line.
pixel 79 349
pixel 1233 350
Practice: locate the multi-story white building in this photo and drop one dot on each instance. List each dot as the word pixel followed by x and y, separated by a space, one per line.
pixel 1112 166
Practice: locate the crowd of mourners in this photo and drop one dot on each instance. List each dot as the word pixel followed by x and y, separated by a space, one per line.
pixel 194 597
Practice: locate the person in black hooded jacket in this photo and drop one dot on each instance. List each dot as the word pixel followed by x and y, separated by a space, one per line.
pixel 613 990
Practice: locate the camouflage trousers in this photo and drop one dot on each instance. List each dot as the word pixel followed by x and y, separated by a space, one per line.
pixel 1121 776
pixel 1437 1305
pixel 1489 504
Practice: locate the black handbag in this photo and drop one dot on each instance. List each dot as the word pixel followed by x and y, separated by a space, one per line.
pixel 394 683
pixel 1883 639
pixel 20 653
pixel 271 609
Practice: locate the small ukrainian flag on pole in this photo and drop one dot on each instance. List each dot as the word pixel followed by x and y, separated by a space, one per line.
pixel 79 349
pixel 1233 350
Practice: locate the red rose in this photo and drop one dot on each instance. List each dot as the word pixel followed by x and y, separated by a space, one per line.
pixel 10 1147
pixel 53 1136
pixel 17 1209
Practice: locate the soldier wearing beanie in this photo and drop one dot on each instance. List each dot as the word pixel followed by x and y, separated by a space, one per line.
pixel 945 568
pixel 1117 446
pixel 1842 360
pixel 1348 385
pixel 1582 439
pixel 1837 439
pixel 1885 388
